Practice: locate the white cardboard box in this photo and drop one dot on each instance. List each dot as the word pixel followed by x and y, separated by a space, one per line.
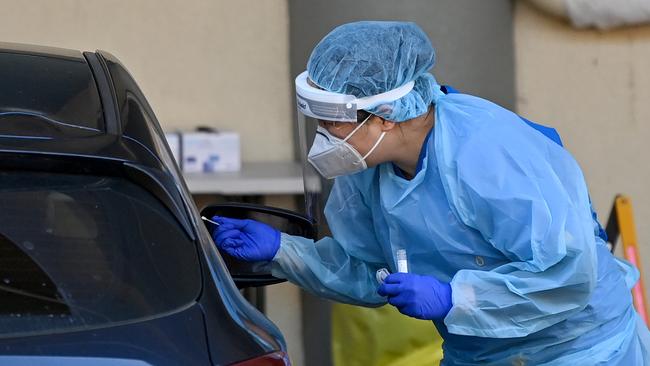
pixel 209 152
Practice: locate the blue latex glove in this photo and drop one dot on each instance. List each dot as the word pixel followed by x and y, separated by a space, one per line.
pixel 421 297
pixel 247 240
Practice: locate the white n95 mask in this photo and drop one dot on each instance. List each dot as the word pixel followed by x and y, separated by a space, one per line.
pixel 333 157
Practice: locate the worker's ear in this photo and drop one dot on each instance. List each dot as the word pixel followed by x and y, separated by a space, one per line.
pixel 384 124
pixel 387 125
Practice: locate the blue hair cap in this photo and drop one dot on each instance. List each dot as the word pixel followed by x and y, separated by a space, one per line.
pixel 372 57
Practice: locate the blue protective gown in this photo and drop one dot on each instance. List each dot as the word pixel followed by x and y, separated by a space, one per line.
pixel 502 213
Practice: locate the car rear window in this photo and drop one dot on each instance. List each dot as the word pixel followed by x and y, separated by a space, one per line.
pixel 44 94
pixel 79 252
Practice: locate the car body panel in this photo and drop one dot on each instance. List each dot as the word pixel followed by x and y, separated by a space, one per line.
pixel 127 142
pixel 176 339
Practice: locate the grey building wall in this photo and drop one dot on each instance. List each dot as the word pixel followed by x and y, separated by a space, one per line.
pixel 474 46
pixel 473 39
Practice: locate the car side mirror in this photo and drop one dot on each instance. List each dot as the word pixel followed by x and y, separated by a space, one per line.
pixel 255 274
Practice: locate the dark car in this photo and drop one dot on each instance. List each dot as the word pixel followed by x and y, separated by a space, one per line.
pixel 104 259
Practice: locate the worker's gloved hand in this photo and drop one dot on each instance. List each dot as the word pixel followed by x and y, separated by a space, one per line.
pixel 421 297
pixel 248 240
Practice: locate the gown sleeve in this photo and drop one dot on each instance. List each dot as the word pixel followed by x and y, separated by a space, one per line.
pixel 342 267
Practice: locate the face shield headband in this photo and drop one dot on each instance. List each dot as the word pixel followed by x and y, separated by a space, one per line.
pixel 329 106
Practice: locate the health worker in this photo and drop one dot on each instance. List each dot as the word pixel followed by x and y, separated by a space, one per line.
pixel 505 254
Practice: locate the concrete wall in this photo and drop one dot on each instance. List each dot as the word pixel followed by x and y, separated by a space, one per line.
pixel 219 63
pixel 594 87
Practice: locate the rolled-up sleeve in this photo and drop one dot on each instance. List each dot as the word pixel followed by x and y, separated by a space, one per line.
pixel 342 267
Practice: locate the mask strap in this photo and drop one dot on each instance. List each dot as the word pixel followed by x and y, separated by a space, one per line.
pixel 356 128
pixel 383 134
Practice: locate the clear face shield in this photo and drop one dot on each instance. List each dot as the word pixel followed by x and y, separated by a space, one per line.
pixel 323 155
